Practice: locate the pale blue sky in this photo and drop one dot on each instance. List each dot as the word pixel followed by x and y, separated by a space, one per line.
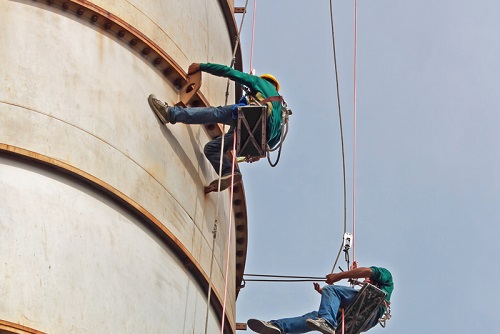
pixel 428 159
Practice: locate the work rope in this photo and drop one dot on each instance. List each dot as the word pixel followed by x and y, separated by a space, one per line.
pixel 253 35
pixel 214 230
pixel 228 236
pixel 355 131
pixel 281 278
pixel 341 132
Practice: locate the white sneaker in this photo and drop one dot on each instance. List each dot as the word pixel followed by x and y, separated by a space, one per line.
pixel 320 325
pixel 263 327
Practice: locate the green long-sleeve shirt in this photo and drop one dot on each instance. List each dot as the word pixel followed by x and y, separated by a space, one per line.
pixel 383 279
pixel 256 85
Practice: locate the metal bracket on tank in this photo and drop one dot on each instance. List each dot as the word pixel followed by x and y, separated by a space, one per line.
pixel 189 90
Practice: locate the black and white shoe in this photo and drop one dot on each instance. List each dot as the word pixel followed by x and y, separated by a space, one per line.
pixel 263 327
pixel 320 325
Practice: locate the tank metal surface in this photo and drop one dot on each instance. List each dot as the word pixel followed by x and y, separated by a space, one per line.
pixel 104 225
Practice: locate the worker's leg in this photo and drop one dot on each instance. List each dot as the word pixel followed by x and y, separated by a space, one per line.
pixel 295 325
pixel 202 115
pixel 333 297
pixel 212 152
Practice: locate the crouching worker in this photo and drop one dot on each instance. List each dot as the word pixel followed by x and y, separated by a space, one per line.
pixel 333 297
pixel 263 87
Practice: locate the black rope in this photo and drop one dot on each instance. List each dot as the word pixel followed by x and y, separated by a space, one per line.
pixel 281 278
pixel 341 130
pixel 285 276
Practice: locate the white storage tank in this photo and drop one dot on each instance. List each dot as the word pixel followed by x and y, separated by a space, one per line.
pixel 104 224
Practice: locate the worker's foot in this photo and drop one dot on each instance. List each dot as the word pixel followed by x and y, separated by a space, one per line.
pixel 160 109
pixel 225 182
pixel 320 325
pixel 263 327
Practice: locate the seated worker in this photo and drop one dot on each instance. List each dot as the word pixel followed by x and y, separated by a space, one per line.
pixel 332 297
pixel 262 87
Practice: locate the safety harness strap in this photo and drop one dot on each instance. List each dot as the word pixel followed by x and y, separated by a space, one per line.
pixel 277 98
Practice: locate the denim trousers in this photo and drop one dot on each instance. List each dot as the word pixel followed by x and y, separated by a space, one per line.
pixel 210 115
pixel 332 297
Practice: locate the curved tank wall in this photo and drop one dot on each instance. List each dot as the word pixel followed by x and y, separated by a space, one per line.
pixel 104 226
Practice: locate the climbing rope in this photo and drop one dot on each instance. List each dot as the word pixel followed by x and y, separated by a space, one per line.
pixel 229 235
pixel 214 231
pixel 355 132
pixel 253 35
pixel 281 278
pixel 341 132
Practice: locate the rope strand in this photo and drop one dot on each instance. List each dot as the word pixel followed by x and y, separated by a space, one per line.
pixel 229 235
pixel 341 133
pixel 214 231
pixel 355 135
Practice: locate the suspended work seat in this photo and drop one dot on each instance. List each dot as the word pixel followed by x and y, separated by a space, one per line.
pixel 251 131
pixel 358 313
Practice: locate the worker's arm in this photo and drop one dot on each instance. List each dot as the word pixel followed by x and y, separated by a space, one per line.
pixel 251 81
pixel 362 272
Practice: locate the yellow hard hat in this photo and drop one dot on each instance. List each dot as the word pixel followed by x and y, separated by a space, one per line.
pixel 272 79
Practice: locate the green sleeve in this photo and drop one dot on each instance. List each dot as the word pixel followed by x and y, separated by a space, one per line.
pixel 228 72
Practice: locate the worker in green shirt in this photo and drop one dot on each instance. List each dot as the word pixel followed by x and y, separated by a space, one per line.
pixel 332 297
pixel 264 88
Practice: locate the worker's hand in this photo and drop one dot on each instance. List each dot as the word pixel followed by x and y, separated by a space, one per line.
pixel 332 278
pixel 317 287
pixel 193 68
pixel 354 265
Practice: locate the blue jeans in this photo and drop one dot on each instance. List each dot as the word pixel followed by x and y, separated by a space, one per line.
pixel 210 115
pixel 332 297
pixel 202 115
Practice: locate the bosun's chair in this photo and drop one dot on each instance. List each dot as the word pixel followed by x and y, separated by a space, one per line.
pixel 358 313
pixel 251 131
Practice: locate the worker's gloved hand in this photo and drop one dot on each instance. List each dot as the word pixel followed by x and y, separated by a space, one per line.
pixel 242 102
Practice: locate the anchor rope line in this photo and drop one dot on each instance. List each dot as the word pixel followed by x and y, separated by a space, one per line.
pixel 214 231
pixel 285 276
pixel 341 131
pixel 253 34
pixel 281 278
pixel 343 321
pixel 355 133
pixel 229 235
